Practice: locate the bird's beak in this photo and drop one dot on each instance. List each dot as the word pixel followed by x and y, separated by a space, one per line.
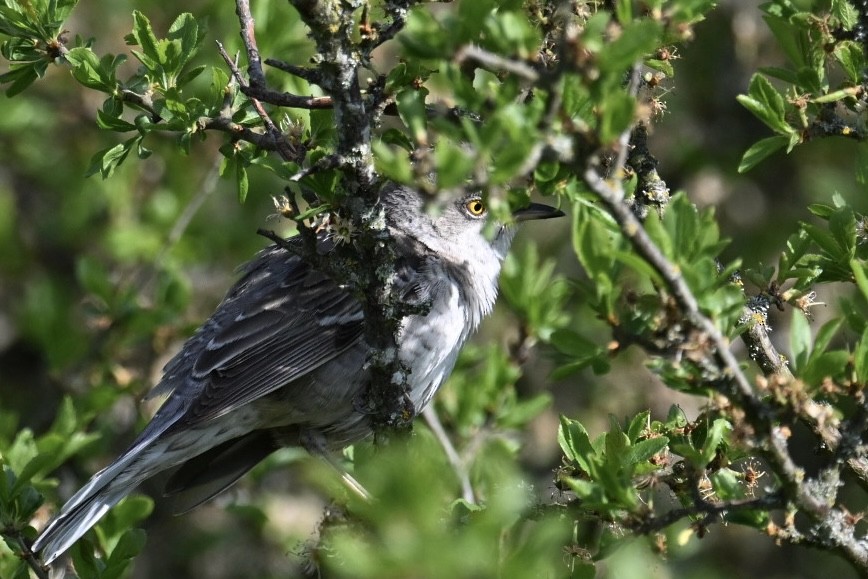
pixel 537 211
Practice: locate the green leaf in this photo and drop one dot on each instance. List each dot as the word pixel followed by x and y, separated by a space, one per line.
pixel 859 274
pixel 580 352
pixel 825 365
pixel 322 127
pixel 845 13
pixel 106 161
pixel 624 11
pixel 638 425
pixel 852 59
pixel 800 340
pixel 616 116
pixel 767 104
pixel 784 74
pixel 860 358
pixel 392 162
pixel 89 70
pixel 826 334
pixel 411 109
pixel 86 563
pixel 637 39
pixel 453 164
pixel 714 438
pixel 190 74
pixel 645 449
pixel 576 444
pixel 185 29
pixel 241 181
pixel 20 77
pixel 143 35
pixel 113 123
pixel 423 37
pixel 789 37
pixel 129 546
pixel 760 150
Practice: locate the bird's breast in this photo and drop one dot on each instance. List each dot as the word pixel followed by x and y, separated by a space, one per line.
pixel 429 344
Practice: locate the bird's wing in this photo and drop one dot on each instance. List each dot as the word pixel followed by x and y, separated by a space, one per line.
pixel 280 321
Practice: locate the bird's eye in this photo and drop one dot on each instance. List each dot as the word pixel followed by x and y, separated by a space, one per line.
pixel 475 207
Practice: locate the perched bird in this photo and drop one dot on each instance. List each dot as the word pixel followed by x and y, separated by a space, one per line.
pixel 282 361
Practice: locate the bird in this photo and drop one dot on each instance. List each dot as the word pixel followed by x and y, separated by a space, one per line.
pixel 282 361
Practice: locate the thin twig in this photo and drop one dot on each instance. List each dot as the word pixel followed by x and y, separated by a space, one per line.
pixel 739 388
pixel 285 99
pixel 496 62
pixel 32 560
pixel 311 75
pixel 625 138
pixel 248 38
pixel 283 148
pixel 454 458
pixel 659 522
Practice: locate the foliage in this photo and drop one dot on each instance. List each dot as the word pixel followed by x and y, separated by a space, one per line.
pixel 510 98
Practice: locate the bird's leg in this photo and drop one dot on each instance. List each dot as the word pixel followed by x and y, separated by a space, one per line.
pixel 314 443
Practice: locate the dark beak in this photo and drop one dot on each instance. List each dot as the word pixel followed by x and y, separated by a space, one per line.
pixel 537 211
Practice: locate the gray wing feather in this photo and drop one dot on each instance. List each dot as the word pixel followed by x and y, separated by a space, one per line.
pixel 280 321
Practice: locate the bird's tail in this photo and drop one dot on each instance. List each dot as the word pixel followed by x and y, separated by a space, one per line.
pixel 107 487
pixel 88 505
pixel 157 448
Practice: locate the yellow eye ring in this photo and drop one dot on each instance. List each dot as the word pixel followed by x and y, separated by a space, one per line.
pixel 475 207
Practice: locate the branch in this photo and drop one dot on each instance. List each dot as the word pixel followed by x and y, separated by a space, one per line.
pixel 285 99
pixel 332 27
pixel 813 497
pixel 492 61
pixel 15 535
pixel 452 455
pixel 651 189
pixel 756 338
pixel 282 146
pixel 248 38
pixel 711 511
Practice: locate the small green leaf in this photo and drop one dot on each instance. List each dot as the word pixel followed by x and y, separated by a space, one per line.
pixel 241 181
pixel 112 123
pixel 20 77
pixel 185 29
pixel 859 274
pixel 411 109
pixel 860 358
pixel 392 162
pixel 800 340
pixel 638 425
pixel 760 150
pixel 106 161
pixel 453 164
pixel 576 444
pixel 645 449
pixel 714 438
pixel 143 35
pixel 616 116
pixel 826 334
pixel 767 104
pixel 637 39
pixel 846 14
pixel 89 70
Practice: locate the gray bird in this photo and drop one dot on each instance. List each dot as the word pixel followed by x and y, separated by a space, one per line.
pixel 282 361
